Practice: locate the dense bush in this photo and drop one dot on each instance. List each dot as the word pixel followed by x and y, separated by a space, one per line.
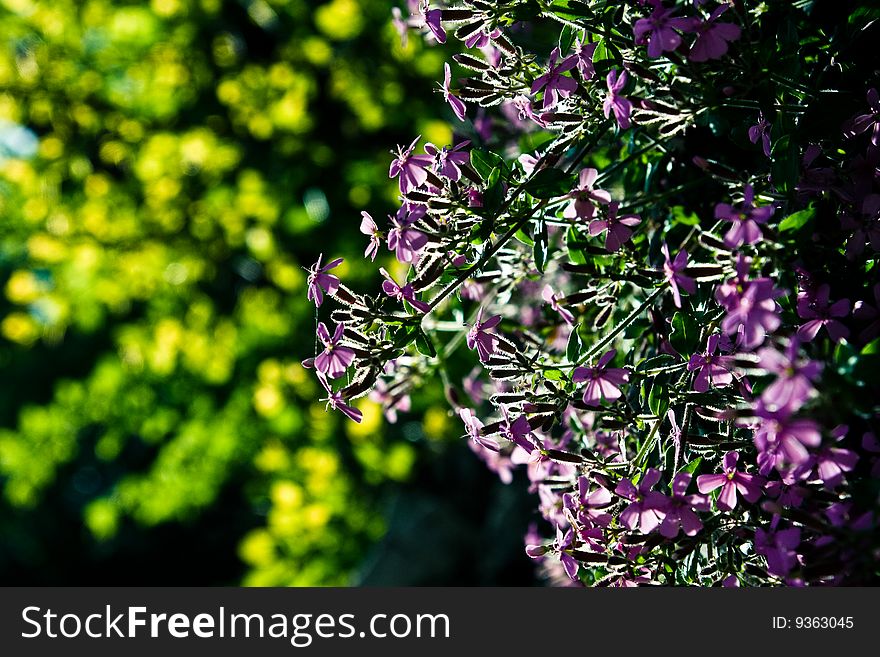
pixel 657 232
pixel 165 168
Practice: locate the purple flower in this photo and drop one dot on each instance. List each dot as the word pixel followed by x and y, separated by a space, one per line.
pixel 391 401
pixel 647 508
pixel 750 305
pixel 409 169
pixel 619 229
pixel 616 103
pixel 336 402
pixel 479 338
pixel 474 426
pixel 550 297
pixel 405 293
pixel 584 54
pixel 713 38
pixel 794 376
pixel 659 30
pixel 761 130
pixel 320 282
pixel 454 101
pixel 779 548
pixel 430 18
pixel 833 462
pixel 749 486
pixel 680 507
pixel 405 241
pixel 712 369
pixel 585 196
pixel 448 161
pixel 673 272
pixel 554 84
pixel 782 440
pixel 866 312
pixel 864 122
pixel 518 432
pixel 866 228
pixel 745 217
pixel 564 542
pixel 335 359
pixel 602 381
pixel 821 313
pixel 590 505
pixel 369 227
pixel 524 110
pixel 481 38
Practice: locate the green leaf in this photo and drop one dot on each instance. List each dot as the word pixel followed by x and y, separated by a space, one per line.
pixel 872 347
pixel 797 220
pixel 553 375
pixel 540 249
pixel 685 333
pixel 549 183
pixel 656 362
pixel 574 346
pixel 424 344
pixel 523 237
pixel 484 162
pixel 691 467
pixel 493 197
pixel 658 400
pixel 681 216
pixel 786 164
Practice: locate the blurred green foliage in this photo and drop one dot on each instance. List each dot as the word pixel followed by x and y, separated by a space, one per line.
pixel 193 155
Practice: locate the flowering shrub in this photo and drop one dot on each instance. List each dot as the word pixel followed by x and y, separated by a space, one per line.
pixel 657 232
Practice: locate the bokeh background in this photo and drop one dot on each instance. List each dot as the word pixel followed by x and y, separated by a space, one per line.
pixel 166 169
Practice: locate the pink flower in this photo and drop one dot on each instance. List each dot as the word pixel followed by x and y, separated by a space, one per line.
pixel 673 272
pixel 680 508
pixel 369 227
pixel 746 219
pixel 550 297
pixel 749 486
pixel 820 312
pixel 616 103
pixel 458 107
pixel 474 426
pixel 659 30
pixel 864 122
pixel 335 358
pixel 712 369
pixel 403 239
pixel 713 38
pixel 602 381
pixel 585 196
pixel 320 282
pixel 479 338
pixel 409 169
pixel 647 508
pixel 554 84
pixel 405 293
pixel 618 229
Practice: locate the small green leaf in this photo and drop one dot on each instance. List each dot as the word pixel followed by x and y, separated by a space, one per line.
pixel 658 400
pixel 523 237
pixel 424 344
pixel 797 220
pixel 540 249
pixel 685 333
pixel 691 467
pixel 494 194
pixel 574 346
pixel 484 162
pixel 553 375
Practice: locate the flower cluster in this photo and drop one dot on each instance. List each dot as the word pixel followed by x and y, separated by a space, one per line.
pixel 680 350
